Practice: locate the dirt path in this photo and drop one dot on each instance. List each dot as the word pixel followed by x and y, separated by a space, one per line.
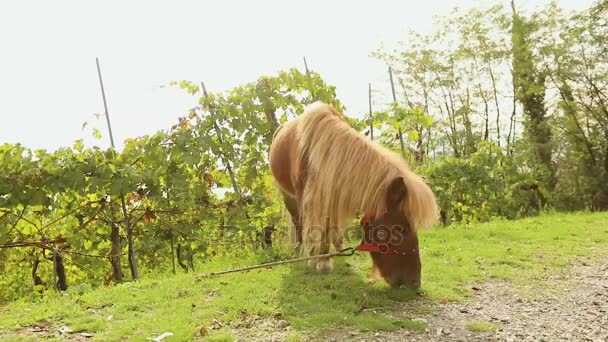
pixel 573 307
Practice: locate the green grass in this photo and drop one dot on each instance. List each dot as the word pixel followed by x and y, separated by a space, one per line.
pixel 220 337
pixel 523 252
pixel 482 326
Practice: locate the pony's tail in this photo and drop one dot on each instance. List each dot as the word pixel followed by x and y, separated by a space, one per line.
pixel 421 205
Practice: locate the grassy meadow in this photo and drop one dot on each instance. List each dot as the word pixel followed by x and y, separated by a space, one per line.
pixel 523 252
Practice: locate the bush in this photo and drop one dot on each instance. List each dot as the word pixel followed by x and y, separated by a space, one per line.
pixel 488 184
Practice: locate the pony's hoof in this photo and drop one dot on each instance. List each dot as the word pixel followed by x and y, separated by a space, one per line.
pixel 325 267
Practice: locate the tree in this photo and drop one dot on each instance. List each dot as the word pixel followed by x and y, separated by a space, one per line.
pixel 529 85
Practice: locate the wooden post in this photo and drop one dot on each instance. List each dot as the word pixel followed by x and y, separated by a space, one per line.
pixel 128 226
pixel 312 93
pixel 390 73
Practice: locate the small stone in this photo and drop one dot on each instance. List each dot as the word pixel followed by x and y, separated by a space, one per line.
pixel 353 333
pixel 439 331
pixel 510 339
pixel 446 331
pixel 464 310
pixel 282 324
pixel 596 303
pixel 65 330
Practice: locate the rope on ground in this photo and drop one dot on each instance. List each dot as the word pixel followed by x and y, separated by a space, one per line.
pixel 345 252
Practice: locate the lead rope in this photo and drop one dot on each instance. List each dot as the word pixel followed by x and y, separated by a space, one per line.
pixel 345 252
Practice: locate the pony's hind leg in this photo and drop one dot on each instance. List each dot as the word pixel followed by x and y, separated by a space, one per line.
pixel 292 207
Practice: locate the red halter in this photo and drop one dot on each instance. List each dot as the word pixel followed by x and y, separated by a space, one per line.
pixel 380 247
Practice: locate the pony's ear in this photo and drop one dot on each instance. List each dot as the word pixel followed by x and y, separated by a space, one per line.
pixel 396 192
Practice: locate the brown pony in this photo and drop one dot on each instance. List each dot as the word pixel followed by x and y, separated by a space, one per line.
pixel 328 172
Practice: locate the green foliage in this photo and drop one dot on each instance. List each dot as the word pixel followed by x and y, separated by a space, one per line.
pixel 547 112
pixel 486 185
pixel 170 182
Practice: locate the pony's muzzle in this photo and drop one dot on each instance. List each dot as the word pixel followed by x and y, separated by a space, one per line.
pixel 400 282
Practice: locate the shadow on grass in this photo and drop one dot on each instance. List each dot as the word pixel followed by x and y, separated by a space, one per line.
pixel 344 298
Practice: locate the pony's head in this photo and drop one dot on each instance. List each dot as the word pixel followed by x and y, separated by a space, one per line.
pixel 392 241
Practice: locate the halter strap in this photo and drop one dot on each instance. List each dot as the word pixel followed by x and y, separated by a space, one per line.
pixel 382 247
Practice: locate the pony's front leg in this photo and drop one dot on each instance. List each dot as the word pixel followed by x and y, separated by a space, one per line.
pixel 324 265
pixel 321 235
pixel 338 245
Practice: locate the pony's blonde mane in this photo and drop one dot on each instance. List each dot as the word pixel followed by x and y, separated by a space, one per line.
pixel 348 173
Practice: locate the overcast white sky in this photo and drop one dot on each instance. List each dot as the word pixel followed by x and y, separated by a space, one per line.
pixel 48 78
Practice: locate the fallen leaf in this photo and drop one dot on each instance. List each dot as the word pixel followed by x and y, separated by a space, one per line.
pixel 203 331
pixel 40 327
